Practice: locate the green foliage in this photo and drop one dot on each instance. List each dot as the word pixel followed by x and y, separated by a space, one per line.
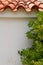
pixel 34 55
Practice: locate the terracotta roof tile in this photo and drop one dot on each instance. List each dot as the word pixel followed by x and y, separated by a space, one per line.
pixel 26 4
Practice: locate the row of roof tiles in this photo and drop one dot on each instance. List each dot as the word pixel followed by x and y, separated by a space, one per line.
pixel 26 4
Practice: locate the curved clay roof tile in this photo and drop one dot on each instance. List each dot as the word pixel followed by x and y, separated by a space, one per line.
pixel 26 4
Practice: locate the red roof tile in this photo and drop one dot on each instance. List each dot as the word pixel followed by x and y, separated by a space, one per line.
pixel 26 4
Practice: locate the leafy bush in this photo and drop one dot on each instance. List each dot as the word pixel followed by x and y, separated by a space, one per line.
pixel 34 55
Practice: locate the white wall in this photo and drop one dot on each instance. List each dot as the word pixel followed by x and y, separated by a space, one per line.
pixel 13 27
